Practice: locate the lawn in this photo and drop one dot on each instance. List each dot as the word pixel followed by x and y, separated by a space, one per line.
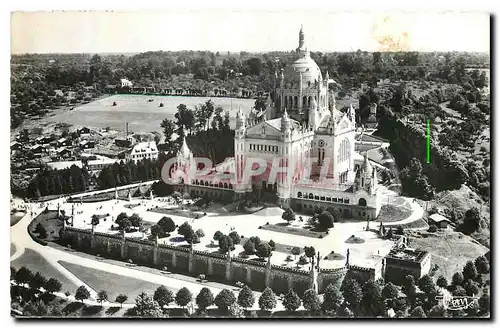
pixel 114 284
pixel 392 213
pixel 50 222
pixel 449 249
pixel 175 211
pixel 143 116
pixel 35 262
pixel 281 227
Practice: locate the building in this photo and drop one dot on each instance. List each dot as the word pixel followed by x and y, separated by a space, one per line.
pixel 143 150
pixel 403 261
pixel 63 142
pixel 439 221
pixel 303 133
pixel 82 131
pixel 125 83
pixel 87 144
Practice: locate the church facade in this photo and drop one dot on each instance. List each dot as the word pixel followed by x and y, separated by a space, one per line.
pixel 305 148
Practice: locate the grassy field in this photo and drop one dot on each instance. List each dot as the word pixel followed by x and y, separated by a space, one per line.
pixel 114 284
pixel 391 213
pixel 450 250
pixel 35 262
pixel 143 116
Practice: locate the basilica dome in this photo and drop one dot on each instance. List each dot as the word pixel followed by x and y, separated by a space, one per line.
pixel 309 69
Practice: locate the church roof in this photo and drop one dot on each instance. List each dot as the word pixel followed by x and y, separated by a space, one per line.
pixel 305 65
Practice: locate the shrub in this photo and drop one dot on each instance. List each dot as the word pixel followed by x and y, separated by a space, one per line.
pixel 432 228
pixel 303 260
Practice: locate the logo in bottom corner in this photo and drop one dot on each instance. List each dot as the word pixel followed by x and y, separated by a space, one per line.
pixel 455 303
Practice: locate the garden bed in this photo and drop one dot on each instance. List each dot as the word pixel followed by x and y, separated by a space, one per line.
pixel 175 211
pixel 354 240
pixel 293 230
pixel 50 221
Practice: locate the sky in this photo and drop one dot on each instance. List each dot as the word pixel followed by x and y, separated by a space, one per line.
pixel 253 31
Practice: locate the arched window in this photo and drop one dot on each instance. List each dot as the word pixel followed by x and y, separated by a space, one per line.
pixel 362 202
pixel 225 185
pixel 304 101
pixel 309 102
pixel 299 194
pixel 311 196
pixel 286 102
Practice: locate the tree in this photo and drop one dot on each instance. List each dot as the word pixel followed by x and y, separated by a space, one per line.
pixel 352 292
pixel 121 299
pixel 469 271
pixel 183 297
pixel 325 220
pixel 124 224
pixel 163 296
pixel 224 299
pixel 426 284
pixel 217 235
pixel 418 312
pixel 187 231
pixel 263 250
pixel 166 224
pixel 437 311
pixel 82 293
pixel 13 272
pixel 409 287
pixel 102 296
pixel 246 298
pixel 291 301
pixel 40 230
pixel 200 233
pixel 457 279
pixel 372 301
pixel 311 301
pixel 23 276
pixel 249 247
pixel 484 302
pixel 332 299
pixel 156 230
pixel 267 300
pixel 53 285
pixel 35 308
pixel 135 220
pixel 459 291
pixel 295 251
pixel 204 299
pixel 334 212
pixel 235 311
pixel 482 265
pixel 442 282
pixel 235 237
pixel 390 291
pixel 471 287
pixel 288 215
pixel 168 130
pixel 272 244
pixel 225 244
pixel 38 281
pixel 95 220
pixel 309 251
pixel 471 221
pixel 145 306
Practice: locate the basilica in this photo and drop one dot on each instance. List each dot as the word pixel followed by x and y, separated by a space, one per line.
pixel 302 131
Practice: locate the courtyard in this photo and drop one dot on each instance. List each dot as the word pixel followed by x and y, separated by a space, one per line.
pixel 217 218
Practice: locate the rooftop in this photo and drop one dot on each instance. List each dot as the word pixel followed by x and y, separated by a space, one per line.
pixel 407 255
